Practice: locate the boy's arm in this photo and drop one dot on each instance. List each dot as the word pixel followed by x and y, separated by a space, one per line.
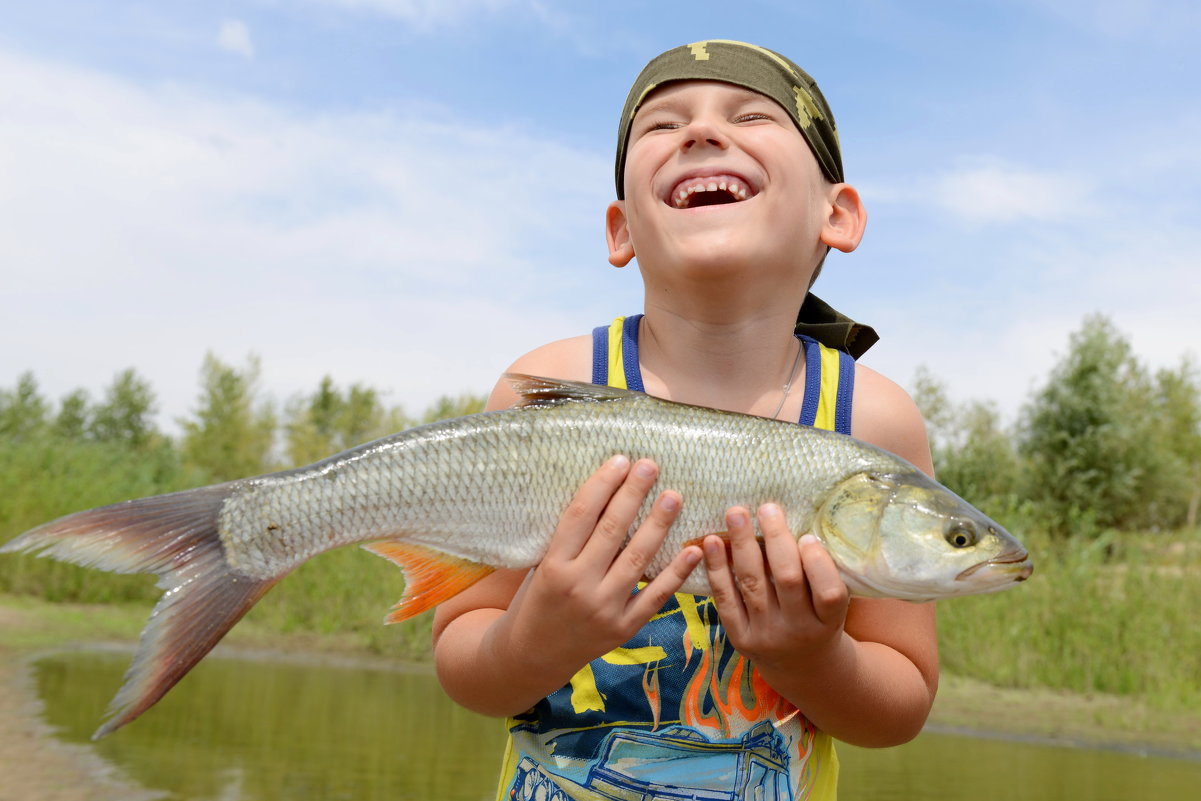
pixel 863 670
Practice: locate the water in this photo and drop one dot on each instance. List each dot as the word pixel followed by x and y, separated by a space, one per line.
pixel 239 730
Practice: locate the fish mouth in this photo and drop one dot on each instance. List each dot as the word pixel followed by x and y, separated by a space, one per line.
pixel 1014 565
pixel 710 189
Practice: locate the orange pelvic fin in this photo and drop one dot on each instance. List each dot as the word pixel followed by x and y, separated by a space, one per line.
pixel 431 576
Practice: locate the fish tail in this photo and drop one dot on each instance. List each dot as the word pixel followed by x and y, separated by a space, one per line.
pixel 176 537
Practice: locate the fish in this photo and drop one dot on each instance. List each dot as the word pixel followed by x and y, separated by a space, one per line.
pixel 452 501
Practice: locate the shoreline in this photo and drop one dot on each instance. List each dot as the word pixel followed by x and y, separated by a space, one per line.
pixel 36 764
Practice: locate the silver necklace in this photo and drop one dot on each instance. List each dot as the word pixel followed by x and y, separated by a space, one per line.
pixel 796 364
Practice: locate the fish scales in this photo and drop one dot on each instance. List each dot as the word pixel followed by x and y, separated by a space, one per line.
pixel 490 488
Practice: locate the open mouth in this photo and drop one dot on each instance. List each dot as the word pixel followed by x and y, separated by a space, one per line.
pixel 712 190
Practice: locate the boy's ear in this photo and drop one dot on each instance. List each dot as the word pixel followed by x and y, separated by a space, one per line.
pixel 843 229
pixel 617 233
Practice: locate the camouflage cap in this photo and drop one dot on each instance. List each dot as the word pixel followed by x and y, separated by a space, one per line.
pixel 751 67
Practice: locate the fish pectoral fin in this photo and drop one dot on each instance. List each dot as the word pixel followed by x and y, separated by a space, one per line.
pixel 431 576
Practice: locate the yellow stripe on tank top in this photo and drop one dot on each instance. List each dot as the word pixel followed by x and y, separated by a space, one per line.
pixel 617 367
pixel 827 403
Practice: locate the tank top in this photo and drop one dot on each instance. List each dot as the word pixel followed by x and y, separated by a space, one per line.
pixel 676 712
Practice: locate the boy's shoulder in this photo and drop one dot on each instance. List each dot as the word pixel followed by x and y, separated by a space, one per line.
pixel 884 414
pixel 569 359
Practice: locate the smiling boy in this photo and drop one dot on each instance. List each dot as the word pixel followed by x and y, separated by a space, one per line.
pixel 730 194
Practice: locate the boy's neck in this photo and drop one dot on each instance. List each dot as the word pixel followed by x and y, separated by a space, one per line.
pixel 723 357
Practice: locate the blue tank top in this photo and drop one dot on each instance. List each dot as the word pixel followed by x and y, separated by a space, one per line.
pixel 676 712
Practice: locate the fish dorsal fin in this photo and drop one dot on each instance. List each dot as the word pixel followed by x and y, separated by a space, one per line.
pixel 537 391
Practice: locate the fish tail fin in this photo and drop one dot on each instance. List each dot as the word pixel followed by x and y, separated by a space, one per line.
pixel 431 576
pixel 174 536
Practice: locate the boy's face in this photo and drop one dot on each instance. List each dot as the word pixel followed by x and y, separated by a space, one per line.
pixel 715 172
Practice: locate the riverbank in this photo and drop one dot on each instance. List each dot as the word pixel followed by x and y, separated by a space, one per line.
pixel 36 765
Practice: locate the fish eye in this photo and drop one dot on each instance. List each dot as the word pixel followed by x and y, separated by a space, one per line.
pixel 961 535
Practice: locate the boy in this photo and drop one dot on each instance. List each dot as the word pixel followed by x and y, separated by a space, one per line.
pixel 730 193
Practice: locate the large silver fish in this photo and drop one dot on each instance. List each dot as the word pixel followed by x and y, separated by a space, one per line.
pixel 451 501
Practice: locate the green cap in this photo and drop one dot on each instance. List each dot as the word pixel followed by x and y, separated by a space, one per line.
pixel 751 67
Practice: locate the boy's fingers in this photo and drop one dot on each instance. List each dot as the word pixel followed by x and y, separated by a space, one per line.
pixel 613 527
pixel 726 597
pixel 651 598
pixel 630 565
pixel 750 571
pixel 830 597
pixel 586 507
pixel 784 561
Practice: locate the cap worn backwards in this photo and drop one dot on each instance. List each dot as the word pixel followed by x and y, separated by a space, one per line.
pixel 751 67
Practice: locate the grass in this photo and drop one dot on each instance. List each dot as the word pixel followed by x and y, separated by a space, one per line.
pixel 1106 616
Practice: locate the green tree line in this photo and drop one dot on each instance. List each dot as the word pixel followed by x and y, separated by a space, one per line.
pixel 1105 444
pixel 79 452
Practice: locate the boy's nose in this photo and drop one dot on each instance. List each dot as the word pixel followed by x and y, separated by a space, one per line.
pixel 702 131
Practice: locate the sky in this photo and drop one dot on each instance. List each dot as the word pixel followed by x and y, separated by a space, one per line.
pixel 409 194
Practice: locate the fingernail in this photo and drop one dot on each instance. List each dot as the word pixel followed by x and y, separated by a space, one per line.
pixel 619 462
pixel 769 510
pixel 669 503
pixel 692 557
pixel 737 518
pixel 645 469
pixel 808 538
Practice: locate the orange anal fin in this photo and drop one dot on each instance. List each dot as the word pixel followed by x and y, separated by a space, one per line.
pixel 431 576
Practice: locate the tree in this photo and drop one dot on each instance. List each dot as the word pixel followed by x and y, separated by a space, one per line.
pixel 23 410
pixel 233 432
pixel 447 407
pixel 329 421
pixel 1175 412
pixel 126 414
pixel 1086 435
pixel 973 454
pixel 74 414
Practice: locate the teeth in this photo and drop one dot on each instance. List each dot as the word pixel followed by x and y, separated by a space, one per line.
pixel 734 187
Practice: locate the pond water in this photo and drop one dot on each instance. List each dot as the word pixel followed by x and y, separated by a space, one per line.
pixel 258 730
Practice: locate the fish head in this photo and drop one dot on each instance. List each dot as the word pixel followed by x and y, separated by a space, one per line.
pixel 904 535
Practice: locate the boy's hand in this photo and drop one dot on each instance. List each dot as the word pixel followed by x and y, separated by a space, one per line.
pixel 579 603
pixel 780 602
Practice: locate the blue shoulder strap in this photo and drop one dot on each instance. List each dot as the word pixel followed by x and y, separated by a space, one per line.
pixel 837 379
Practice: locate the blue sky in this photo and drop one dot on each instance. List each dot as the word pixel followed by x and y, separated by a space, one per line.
pixel 409 193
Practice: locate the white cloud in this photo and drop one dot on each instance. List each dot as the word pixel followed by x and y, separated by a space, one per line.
pixel 234 37
pixel 144 226
pixel 1000 193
